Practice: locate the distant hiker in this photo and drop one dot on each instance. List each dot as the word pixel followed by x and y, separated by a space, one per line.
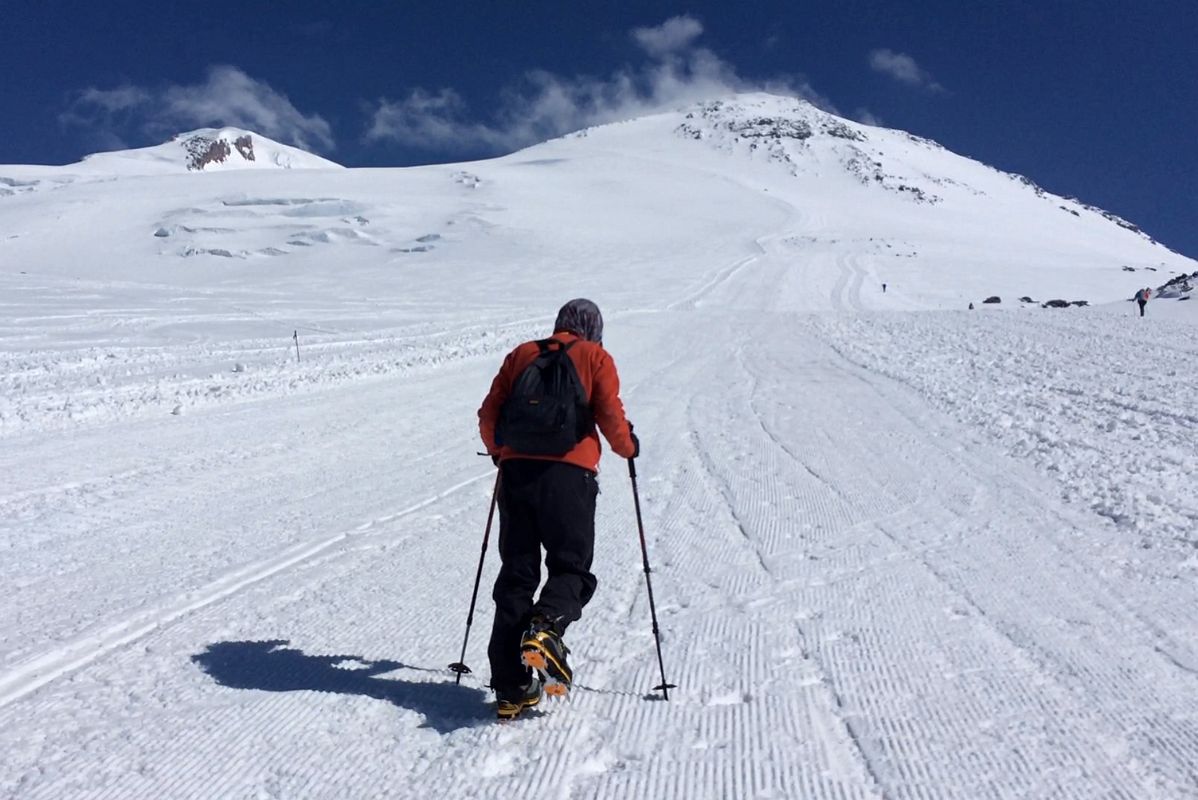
pixel 539 426
pixel 883 288
pixel 1142 298
pixel 971 306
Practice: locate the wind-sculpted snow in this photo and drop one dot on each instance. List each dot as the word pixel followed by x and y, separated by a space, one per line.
pixel 12 186
pixel 1103 402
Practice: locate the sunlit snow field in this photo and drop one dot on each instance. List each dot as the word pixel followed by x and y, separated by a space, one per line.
pixel 900 548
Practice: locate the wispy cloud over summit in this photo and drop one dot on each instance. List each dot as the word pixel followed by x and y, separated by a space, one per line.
pixel 676 33
pixel 903 69
pixel 227 97
pixel 676 70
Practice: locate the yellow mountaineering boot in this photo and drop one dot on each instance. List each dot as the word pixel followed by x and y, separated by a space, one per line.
pixel 512 701
pixel 543 650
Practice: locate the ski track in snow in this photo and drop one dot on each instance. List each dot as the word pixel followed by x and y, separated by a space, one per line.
pixel 901 556
pixel 1103 389
pixel 32 673
pixel 839 624
pixel 127 382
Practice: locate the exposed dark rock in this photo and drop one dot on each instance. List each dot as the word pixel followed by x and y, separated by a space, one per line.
pixel 1115 218
pixel 1178 287
pixel 1026 181
pixel 1055 304
pixel 203 150
pixel 925 142
pixel 993 299
pixel 771 128
pixel 842 131
pixel 245 146
pixel 1026 300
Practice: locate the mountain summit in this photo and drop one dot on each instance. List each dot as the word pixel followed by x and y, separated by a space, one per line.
pixel 860 170
pixel 205 150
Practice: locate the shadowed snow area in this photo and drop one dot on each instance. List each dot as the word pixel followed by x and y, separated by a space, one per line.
pixel 900 549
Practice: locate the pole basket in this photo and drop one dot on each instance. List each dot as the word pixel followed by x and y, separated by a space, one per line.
pixel 459 668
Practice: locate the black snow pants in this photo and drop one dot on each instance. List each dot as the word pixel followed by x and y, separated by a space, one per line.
pixel 1142 304
pixel 546 504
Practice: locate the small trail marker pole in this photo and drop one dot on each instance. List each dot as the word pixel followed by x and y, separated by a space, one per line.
pixel 295 336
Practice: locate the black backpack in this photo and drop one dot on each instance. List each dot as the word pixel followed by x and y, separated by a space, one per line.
pixel 547 412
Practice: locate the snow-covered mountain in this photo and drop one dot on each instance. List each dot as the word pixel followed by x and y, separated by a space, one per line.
pixel 201 150
pixel 899 548
pixel 939 228
pixel 906 195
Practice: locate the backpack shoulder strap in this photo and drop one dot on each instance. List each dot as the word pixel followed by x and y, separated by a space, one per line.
pixel 543 345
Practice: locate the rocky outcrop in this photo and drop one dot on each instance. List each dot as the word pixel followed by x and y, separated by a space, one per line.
pixel 204 150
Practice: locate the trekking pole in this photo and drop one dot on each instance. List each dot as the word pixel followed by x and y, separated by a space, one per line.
pixel 459 666
pixel 665 687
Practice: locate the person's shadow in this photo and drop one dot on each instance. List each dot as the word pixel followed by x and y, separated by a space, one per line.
pixel 271 666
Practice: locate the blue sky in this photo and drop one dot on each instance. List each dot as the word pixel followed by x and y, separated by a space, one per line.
pixel 1092 98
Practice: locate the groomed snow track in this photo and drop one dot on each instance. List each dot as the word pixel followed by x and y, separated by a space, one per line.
pixel 858 597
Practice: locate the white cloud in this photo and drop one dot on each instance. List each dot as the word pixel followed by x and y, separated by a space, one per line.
pixel 544 105
pixel 115 100
pixel 427 120
pixel 867 117
pixel 798 86
pixel 105 115
pixel 228 97
pixel 903 69
pixel 676 33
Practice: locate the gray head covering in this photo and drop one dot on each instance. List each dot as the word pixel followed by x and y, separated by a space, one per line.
pixel 582 318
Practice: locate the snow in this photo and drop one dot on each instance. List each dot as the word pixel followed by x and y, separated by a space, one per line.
pixel 1106 410
pixel 899 548
pixel 204 150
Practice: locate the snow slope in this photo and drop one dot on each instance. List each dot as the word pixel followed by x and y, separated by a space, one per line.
pixel 900 549
pixel 203 150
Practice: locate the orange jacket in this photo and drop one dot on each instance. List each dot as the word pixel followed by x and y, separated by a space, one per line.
pixel 599 379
